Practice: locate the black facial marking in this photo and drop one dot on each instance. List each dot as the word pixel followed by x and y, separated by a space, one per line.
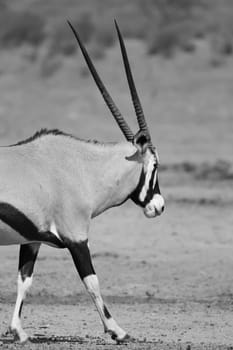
pixel 27 257
pixel 151 190
pixel 20 309
pixel 82 258
pixel 25 227
pixel 135 195
pixel 106 313
pixel 156 188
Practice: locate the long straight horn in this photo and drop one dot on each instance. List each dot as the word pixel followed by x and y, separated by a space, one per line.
pixel 136 102
pixel 109 101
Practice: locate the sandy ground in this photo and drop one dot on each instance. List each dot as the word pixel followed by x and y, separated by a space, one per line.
pixel 167 281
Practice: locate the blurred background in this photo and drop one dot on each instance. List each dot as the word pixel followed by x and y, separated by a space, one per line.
pixel 181 56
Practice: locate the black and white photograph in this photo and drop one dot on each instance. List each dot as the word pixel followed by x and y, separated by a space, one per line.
pixel 116 174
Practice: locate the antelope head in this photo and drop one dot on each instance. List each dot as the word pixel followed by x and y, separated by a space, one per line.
pixel 147 193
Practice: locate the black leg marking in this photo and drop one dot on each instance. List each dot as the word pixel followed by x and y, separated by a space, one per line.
pixel 27 257
pixel 26 228
pixel 20 309
pixel 106 313
pixel 82 258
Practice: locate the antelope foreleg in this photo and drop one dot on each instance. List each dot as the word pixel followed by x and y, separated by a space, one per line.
pixel 27 257
pixel 82 259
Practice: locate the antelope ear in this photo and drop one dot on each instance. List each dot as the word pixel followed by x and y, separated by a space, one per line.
pixel 141 141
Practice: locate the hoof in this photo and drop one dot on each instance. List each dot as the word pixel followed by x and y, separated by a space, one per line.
pixel 23 338
pixel 20 336
pixel 125 340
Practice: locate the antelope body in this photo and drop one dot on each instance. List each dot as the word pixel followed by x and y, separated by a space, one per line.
pixel 53 184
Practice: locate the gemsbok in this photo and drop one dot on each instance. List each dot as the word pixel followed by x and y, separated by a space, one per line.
pixel 53 184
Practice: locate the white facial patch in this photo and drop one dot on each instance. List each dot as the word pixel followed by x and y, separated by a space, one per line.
pixel 149 171
pixel 155 178
pixel 158 202
pixel 155 207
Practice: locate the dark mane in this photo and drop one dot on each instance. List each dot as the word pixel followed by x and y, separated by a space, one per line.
pixel 41 133
pixel 56 132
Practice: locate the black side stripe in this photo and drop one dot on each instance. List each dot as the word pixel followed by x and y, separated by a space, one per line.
pixel 25 227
